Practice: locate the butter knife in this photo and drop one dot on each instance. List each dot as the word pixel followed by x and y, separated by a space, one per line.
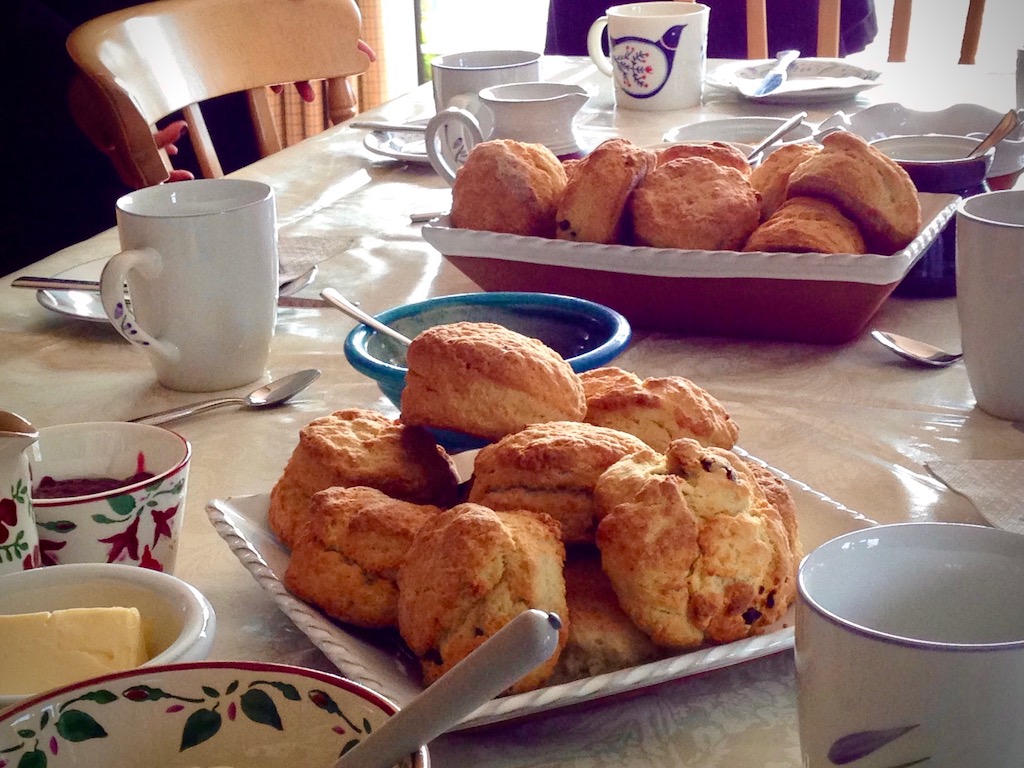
pixel 776 76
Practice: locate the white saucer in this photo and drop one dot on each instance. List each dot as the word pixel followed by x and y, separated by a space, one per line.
pixel 399 145
pixel 736 130
pixel 809 81
pixel 86 305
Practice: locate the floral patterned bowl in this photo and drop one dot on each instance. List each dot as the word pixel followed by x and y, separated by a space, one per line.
pixel 179 621
pixel 137 522
pixel 203 714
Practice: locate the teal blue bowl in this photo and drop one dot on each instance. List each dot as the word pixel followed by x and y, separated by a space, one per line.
pixel 588 335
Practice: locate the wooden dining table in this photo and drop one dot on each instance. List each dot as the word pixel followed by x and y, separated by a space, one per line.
pixel 850 422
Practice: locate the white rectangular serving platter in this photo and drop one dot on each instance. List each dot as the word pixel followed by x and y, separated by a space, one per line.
pixel 380 661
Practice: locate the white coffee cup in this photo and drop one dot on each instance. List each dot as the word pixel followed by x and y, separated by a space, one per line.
pixel 658 53
pixel 535 113
pixel 990 298
pixel 200 263
pixel 910 648
pixel 465 74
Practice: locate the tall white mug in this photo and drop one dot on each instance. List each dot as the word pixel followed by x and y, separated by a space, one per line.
pixel 910 648
pixel 658 53
pixel 990 298
pixel 200 264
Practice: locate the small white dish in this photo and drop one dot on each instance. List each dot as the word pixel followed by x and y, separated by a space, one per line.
pixel 971 120
pixel 180 622
pixel 748 131
pixel 808 81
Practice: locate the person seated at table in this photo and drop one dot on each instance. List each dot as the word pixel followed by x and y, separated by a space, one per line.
pixel 791 24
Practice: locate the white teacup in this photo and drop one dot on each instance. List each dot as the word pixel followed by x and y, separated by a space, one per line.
pixel 537 113
pixel 459 74
pixel 990 298
pixel 200 263
pixel 658 53
pixel 910 648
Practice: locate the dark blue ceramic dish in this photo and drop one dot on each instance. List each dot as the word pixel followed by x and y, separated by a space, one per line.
pixel 588 335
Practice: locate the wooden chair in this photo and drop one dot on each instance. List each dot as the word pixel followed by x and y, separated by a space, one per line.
pixel 900 31
pixel 152 60
pixel 828 30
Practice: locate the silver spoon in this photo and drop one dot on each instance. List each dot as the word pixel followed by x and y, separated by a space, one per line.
pixel 916 351
pixel 519 647
pixel 271 393
pixel 1003 128
pixel 333 297
pixel 777 134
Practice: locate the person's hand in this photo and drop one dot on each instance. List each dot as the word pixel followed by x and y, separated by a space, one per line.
pixel 166 139
pixel 305 90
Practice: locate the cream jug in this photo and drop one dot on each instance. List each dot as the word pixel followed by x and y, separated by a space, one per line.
pixel 537 113
pixel 19 541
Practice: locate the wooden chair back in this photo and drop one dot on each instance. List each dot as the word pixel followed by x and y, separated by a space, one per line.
pixel 828 30
pixel 149 61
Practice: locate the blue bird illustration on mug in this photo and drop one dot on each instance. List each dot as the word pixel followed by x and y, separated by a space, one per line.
pixel 644 65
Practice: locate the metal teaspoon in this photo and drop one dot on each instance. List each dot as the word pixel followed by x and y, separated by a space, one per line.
pixel 777 134
pixel 333 297
pixel 1003 128
pixel 916 351
pixel 271 393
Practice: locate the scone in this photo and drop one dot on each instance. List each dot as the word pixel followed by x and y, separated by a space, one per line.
pixel 695 204
pixel 807 225
pixel 716 560
pixel 486 380
pixel 771 178
pixel 602 638
pixel 470 571
pixel 359 447
pixel 594 208
pixel 657 410
pixel 508 186
pixel 867 186
pixel 348 553
pixel 550 468
pixel 715 151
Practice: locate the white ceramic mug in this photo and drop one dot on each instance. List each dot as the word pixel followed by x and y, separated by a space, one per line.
pixel 910 648
pixel 200 263
pixel 990 298
pixel 539 113
pixel 465 74
pixel 658 53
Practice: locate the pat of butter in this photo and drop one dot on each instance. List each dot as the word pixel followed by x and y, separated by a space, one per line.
pixel 39 651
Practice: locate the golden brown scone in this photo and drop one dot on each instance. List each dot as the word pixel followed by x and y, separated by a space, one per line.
pixel 348 553
pixel 779 496
pixel 715 151
pixel 486 380
pixel 657 410
pixel 594 208
pixel 868 187
pixel 695 204
pixel 717 565
pixel 771 178
pixel 470 571
pixel 602 638
pixel 807 225
pixel 359 447
pixel 508 186
pixel 550 468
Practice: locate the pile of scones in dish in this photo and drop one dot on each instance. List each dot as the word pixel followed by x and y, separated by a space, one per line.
pixel 840 196
pixel 613 501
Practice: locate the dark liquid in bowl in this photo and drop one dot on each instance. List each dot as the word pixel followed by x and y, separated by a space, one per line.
pixel 49 488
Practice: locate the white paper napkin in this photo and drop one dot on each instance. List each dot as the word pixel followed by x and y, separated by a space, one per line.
pixel 994 486
pixel 298 254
